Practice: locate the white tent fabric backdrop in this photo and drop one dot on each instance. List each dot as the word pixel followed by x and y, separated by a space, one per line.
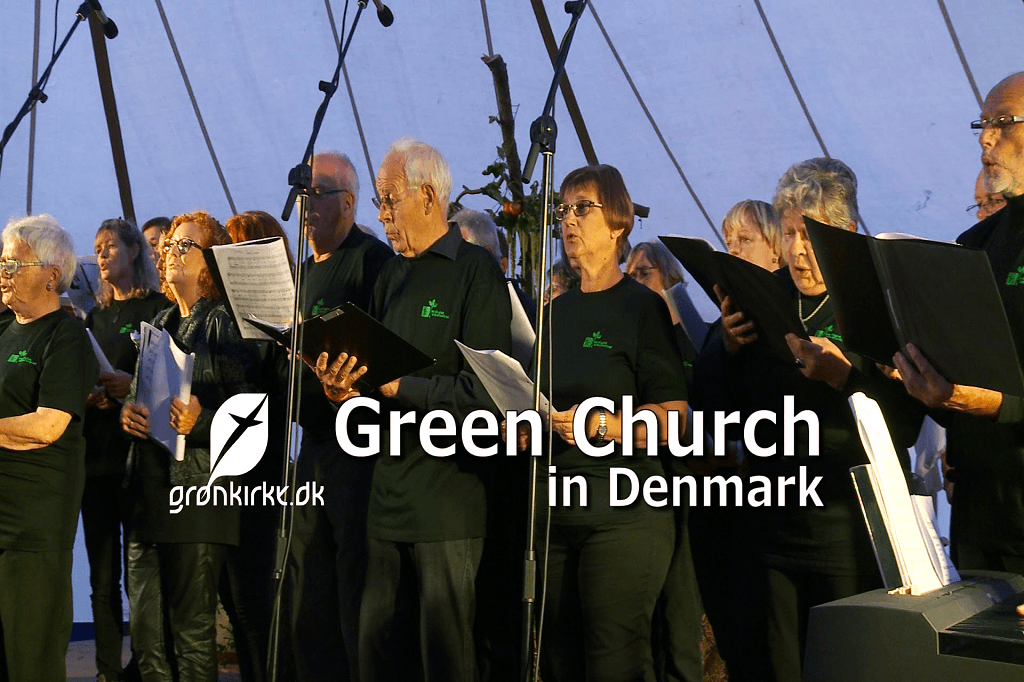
pixel 882 81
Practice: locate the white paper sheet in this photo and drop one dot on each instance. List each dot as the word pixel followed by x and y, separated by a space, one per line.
pixel 257 281
pixel 105 366
pixel 523 334
pixel 504 378
pixel 164 371
pixel 909 543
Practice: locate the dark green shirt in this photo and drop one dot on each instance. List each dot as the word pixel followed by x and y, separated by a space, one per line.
pixel 347 275
pixel 831 539
pixel 610 344
pixel 987 455
pixel 46 363
pixel 106 446
pixel 454 290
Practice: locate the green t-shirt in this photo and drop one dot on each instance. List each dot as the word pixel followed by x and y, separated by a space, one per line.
pixel 48 362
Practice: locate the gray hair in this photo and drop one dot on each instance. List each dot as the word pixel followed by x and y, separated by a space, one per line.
pixel 826 187
pixel 480 230
pixel 423 165
pixel 661 258
pixel 50 242
pixel 353 176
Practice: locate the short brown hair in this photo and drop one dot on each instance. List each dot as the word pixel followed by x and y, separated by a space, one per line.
pixel 211 233
pixel 611 192
pixel 251 225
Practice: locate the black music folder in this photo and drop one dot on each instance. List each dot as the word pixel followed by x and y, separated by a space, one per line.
pixel 347 329
pixel 941 297
pixel 757 292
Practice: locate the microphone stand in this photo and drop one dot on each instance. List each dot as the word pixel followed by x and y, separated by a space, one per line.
pixel 301 179
pixel 543 133
pixel 36 94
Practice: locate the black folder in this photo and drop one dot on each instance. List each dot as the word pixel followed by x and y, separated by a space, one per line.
pixel 347 329
pixel 758 293
pixel 941 297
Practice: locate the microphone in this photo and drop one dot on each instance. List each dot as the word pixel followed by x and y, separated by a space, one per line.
pixel 109 27
pixel 383 13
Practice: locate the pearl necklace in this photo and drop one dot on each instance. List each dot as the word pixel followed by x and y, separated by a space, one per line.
pixel 800 308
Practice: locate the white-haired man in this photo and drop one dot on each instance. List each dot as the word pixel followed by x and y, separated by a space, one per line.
pixel 427 515
pixel 327 557
pixel 985 429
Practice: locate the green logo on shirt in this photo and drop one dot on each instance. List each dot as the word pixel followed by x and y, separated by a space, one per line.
pixel 319 307
pixel 21 356
pixel 594 341
pixel 127 329
pixel 1015 278
pixel 431 310
pixel 828 333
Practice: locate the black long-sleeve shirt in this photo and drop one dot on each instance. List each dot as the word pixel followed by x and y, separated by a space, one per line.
pixel 987 454
pixel 831 539
pixel 453 290
pixel 347 275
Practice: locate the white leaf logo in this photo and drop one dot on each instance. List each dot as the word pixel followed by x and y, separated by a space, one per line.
pixel 238 435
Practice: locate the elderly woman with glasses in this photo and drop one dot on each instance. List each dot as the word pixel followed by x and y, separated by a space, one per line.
pixel 128 294
pixel 48 370
pixel 175 557
pixel 612 338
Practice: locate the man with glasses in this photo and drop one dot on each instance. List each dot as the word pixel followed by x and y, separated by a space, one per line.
pixel 428 514
pixel 985 437
pixel 327 557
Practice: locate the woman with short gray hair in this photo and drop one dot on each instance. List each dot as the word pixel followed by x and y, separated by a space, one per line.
pixel 48 370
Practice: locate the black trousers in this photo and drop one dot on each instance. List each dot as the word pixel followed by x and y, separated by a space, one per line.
pixel 602 584
pixel 969 557
pixel 677 616
pixel 327 562
pixel 733 587
pixel 102 518
pixel 174 586
pixel 418 608
pixel 246 589
pixel 35 615
pixel 791 594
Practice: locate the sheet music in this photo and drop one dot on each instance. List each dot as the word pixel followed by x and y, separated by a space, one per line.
pixel 917 571
pixel 164 371
pixel 523 334
pixel 257 281
pixel 504 378
pixel 925 512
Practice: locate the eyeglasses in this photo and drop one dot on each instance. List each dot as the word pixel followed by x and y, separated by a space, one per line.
pixel 998 122
pixel 320 193
pixel 580 208
pixel 986 204
pixel 390 200
pixel 181 246
pixel 642 272
pixel 11 265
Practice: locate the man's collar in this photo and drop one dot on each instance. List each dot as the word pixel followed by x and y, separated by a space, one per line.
pixel 447 245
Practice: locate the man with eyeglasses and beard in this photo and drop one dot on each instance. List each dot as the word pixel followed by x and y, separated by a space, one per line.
pixel 427 517
pixel 985 437
pixel 327 557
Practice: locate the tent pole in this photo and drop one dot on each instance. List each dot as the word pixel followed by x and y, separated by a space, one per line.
pixel 571 105
pixel 99 47
pixel 32 116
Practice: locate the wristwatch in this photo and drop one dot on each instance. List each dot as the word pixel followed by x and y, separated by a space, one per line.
pixel 602 425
